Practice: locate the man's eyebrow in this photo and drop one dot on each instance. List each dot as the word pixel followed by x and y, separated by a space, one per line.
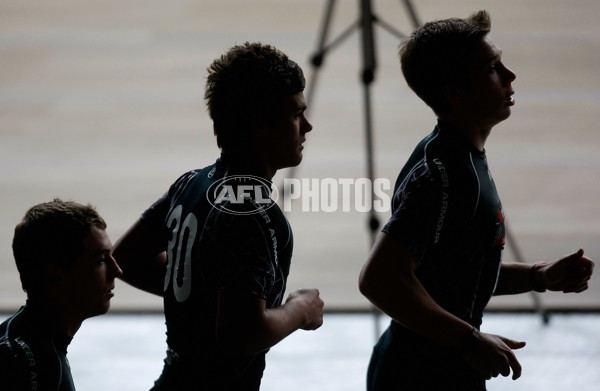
pixel 490 59
pixel 496 56
pixel 103 251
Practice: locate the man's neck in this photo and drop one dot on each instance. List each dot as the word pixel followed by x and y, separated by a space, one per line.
pixel 475 134
pixel 250 165
pixel 56 314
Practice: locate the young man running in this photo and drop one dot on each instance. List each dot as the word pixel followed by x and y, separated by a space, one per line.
pixel 215 246
pixel 438 260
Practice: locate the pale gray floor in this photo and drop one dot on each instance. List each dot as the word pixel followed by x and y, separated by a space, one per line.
pixel 102 102
pixel 125 352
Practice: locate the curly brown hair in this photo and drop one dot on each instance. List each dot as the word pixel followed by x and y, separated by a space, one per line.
pixel 247 84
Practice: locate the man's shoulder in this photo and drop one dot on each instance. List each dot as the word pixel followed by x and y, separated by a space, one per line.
pixel 6 348
pixel 207 174
pixel 14 326
pixel 16 357
pixel 189 187
pixel 17 342
pixel 11 349
pixel 26 363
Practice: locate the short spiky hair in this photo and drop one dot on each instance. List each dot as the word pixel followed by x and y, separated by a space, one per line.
pixel 440 53
pixel 247 84
pixel 51 233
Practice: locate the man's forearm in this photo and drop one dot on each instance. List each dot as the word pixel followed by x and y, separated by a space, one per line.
pixel 245 326
pixel 142 263
pixel 389 282
pixel 148 275
pixel 516 278
pixel 277 324
pixel 409 304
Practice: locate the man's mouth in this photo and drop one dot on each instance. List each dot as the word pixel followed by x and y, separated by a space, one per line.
pixel 510 101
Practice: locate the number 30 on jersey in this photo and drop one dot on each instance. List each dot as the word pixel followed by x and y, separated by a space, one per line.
pixel 180 246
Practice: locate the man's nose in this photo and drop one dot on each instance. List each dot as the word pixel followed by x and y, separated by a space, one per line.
pixel 509 75
pixel 307 125
pixel 115 270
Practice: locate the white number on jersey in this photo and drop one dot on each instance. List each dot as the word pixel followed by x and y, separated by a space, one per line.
pixel 183 236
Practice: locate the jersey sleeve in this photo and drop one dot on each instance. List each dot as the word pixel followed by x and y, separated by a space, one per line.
pixel 430 213
pixel 413 215
pixel 431 219
pixel 244 248
pixel 155 216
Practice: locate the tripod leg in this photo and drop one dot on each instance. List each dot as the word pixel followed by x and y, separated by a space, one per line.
pixel 368 76
pixel 412 13
pixel 318 56
pixel 316 61
pixel 373 221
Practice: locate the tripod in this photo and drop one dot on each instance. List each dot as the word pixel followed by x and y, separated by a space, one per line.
pixel 365 23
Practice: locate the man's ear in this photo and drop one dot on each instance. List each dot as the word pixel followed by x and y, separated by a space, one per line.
pixel 53 275
pixel 453 94
pixel 258 125
pixel 451 91
pixel 252 124
pixel 262 133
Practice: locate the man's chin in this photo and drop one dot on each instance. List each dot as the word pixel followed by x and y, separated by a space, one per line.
pixel 292 163
pixel 103 309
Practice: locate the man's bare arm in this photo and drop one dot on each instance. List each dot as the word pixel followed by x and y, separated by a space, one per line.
pixel 388 280
pixel 245 326
pixel 142 262
pixel 568 274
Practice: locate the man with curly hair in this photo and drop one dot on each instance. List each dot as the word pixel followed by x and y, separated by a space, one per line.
pixel 215 245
